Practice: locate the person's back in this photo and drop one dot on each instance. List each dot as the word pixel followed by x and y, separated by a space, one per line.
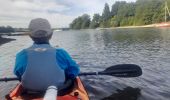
pixel 42 62
pixel 41 65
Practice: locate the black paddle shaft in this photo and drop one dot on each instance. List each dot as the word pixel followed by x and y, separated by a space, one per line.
pixel 121 70
pixel 9 79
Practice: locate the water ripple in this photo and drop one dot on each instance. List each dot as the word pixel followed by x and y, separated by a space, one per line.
pixel 95 50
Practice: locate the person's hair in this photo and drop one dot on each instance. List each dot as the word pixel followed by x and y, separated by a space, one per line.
pixel 43 39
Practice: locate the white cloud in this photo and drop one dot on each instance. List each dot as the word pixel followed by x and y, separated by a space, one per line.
pixel 60 13
pixel 40 6
pixel 18 13
pixel 93 6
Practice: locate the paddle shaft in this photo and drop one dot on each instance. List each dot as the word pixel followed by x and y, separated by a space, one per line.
pixel 9 79
pixel 112 73
pixel 121 70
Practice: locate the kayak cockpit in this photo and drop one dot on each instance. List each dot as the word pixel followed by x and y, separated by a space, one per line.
pixel 75 91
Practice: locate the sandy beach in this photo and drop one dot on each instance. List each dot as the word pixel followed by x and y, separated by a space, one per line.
pixel 143 26
pixel 157 25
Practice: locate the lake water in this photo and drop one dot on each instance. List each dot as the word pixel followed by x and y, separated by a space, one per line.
pixel 95 50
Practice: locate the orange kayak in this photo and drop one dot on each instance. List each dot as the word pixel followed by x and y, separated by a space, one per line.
pixel 77 93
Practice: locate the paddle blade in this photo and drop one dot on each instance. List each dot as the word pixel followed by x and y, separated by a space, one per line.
pixel 123 70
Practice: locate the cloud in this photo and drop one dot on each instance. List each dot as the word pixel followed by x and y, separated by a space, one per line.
pixel 18 13
pixel 40 6
pixel 60 13
pixel 90 6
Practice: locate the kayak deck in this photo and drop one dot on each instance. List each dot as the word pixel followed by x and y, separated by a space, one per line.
pixel 78 93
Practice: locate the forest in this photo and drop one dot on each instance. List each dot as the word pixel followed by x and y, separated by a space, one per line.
pixel 122 13
pixel 7 29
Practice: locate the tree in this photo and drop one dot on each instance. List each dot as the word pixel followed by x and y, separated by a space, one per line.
pixel 95 21
pixel 141 12
pixel 81 22
pixel 76 24
pixel 85 21
pixel 116 7
pixel 122 13
pixel 7 29
pixel 106 13
pixel 106 16
pixel 151 12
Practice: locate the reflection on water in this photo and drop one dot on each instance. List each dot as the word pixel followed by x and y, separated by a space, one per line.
pixel 95 50
pixel 128 93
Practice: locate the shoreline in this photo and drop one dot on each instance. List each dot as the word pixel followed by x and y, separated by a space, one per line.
pixel 142 26
pixel 156 25
pixel 5 40
pixel 126 27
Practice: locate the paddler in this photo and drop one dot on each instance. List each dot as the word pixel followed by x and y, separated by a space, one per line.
pixel 42 65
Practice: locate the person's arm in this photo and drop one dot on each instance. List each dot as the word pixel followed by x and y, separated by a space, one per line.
pixel 20 63
pixel 67 63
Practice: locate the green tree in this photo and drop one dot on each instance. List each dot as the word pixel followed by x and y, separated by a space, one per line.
pixel 81 22
pixel 141 12
pixel 76 24
pixel 116 7
pixel 149 13
pixel 123 13
pixel 7 29
pixel 95 21
pixel 106 15
pixel 85 21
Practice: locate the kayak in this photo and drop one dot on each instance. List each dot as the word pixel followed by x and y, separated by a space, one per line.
pixel 77 93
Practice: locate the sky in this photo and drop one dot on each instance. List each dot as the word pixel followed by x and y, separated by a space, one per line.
pixel 60 13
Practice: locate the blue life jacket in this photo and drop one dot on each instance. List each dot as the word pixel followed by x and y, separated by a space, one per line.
pixel 42 69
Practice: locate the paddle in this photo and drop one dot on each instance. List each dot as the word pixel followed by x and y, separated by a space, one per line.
pixel 121 70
